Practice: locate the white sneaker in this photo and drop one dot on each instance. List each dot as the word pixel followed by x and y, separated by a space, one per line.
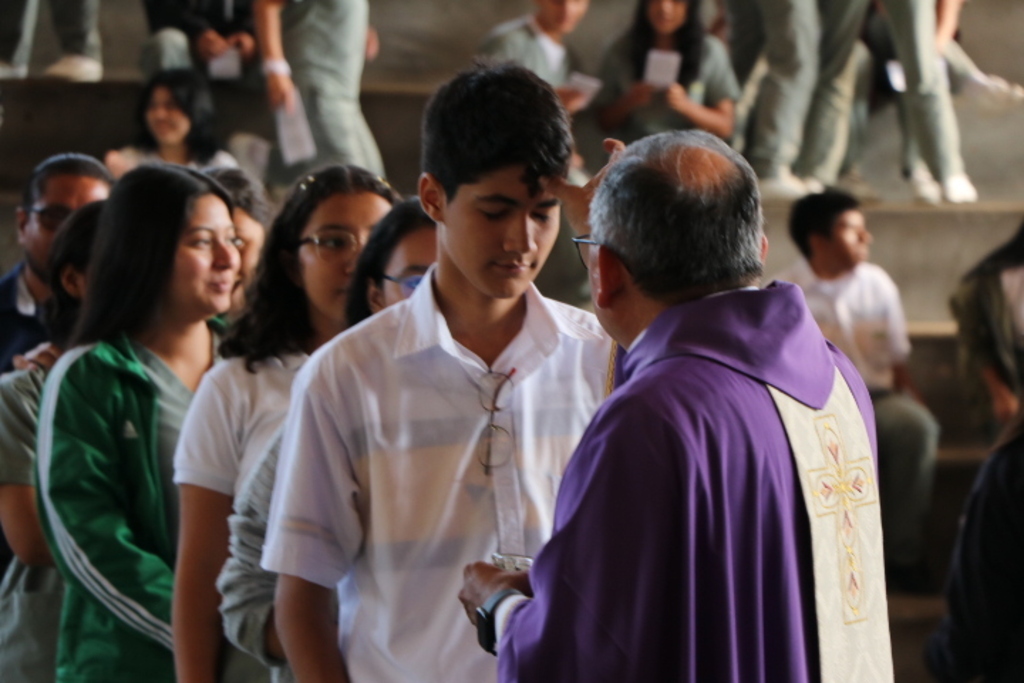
pixel 783 187
pixel 77 68
pixel 992 93
pixel 813 185
pixel 10 72
pixel 959 190
pixel 926 189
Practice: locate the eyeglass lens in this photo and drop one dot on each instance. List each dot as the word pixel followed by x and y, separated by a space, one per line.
pixel 496 444
pixel 51 217
pixel 339 247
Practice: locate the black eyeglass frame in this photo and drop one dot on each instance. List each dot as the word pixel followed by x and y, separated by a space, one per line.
pixel 493 429
pixel 587 239
pixel 51 216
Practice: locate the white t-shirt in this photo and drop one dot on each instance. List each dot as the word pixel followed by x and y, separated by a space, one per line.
pixel 232 420
pixel 380 490
pixel 554 53
pixel 134 157
pixel 861 314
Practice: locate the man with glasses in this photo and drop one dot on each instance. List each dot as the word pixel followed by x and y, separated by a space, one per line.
pixel 719 520
pixel 58 186
pixel 436 432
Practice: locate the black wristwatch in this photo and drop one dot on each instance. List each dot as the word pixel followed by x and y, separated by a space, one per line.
pixel 485 627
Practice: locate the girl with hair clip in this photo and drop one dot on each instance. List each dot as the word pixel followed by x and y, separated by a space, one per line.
pixel 297 302
pixel 988 307
pixel 394 262
pixel 164 264
pixel 32 591
pixel 174 118
pixel 705 90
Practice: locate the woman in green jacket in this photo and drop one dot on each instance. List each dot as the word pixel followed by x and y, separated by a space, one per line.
pixel 164 263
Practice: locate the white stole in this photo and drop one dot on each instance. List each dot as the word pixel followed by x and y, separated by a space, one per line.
pixel 832 453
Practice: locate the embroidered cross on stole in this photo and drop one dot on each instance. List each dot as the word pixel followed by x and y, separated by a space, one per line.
pixel 832 453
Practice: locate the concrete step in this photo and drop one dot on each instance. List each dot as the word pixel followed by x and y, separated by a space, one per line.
pixel 911 620
pixel 43 117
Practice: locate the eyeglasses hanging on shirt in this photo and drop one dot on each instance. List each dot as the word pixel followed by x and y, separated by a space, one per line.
pixel 496 444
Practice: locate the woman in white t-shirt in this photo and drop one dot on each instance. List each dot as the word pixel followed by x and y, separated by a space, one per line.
pixel 296 303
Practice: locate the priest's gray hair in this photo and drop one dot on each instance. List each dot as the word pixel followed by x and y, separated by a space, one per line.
pixel 683 212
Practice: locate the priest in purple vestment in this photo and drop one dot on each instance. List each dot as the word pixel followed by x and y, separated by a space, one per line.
pixel 682 545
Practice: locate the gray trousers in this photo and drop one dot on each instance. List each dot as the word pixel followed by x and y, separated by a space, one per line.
pixel 74 21
pixel 166 49
pixel 908 437
pixel 932 128
pixel 802 100
pixel 340 132
pixel 861 71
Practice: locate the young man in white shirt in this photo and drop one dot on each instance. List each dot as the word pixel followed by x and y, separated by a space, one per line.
pixel 857 306
pixel 436 432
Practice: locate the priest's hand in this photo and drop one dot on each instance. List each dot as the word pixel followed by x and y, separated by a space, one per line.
pixel 576 200
pixel 482 580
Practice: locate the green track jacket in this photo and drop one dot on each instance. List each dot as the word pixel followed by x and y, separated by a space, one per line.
pixel 103 511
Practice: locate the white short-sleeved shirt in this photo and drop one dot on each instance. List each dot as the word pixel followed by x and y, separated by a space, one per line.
pixel 380 491
pixel 860 313
pixel 233 417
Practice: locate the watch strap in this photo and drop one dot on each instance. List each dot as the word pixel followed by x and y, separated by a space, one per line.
pixel 485 626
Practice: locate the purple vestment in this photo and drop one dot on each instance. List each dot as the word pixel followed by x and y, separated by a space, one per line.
pixel 681 547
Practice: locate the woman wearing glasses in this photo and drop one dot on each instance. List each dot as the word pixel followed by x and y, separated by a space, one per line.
pixel 401 249
pixel 296 303
pixel 395 260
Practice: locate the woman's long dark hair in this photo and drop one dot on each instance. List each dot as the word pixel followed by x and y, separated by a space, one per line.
pixel 192 95
pixel 688 40
pixel 135 247
pixel 276 316
pixel 407 217
pixel 72 246
pixel 1005 256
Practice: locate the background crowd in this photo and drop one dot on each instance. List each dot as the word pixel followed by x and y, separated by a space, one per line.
pixel 196 326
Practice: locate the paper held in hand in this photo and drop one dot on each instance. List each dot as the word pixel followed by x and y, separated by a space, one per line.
pixel 226 67
pixel 662 69
pixel 293 134
pixel 588 86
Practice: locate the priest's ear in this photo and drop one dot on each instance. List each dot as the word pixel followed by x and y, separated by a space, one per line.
pixel 609 279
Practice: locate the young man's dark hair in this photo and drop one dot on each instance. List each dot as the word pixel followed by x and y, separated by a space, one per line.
pixel 816 214
pixel 492 116
pixel 62 164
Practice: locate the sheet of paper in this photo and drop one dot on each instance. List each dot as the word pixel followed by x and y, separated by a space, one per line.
pixel 588 86
pixel 897 79
pixel 662 69
pixel 293 134
pixel 228 66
